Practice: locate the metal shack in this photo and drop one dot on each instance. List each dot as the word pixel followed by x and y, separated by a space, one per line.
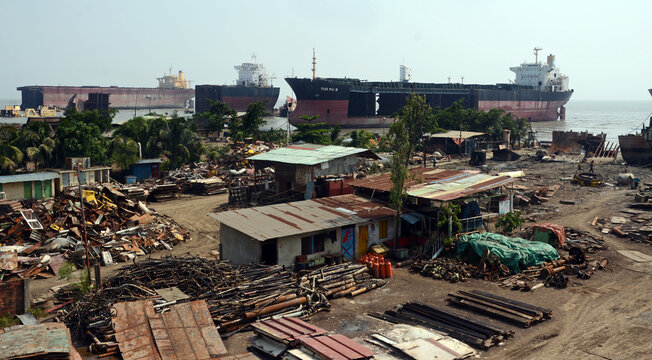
pixel 345 225
pixel 453 141
pixel 146 169
pixel 87 174
pixel 28 186
pixel 301 169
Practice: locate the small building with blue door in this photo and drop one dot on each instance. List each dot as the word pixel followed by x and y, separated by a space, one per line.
pixel 39 185
pixel 342 226
pixel 146 169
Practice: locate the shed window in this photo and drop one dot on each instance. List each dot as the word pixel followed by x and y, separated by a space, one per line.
pixel 313 244
pixel 382 229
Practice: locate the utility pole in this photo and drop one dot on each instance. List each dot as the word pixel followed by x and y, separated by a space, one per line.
pixel 81 201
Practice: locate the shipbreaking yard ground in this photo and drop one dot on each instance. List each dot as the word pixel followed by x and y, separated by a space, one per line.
pixel 606 317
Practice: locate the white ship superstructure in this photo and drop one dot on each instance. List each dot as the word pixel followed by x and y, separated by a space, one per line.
pixel 252 74
pixel 545 77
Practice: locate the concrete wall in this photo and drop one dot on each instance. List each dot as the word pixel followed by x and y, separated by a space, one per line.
pixel 373 227
pixel 238 247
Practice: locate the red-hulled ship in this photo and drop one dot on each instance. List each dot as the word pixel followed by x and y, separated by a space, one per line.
pixel 539 93
pixel 173 92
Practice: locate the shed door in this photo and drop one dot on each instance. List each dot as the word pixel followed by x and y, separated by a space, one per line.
pixel 38 191
pixel 348 240
pixel 155 171
pixel 47 188
pixel 363 237
pixel 27 185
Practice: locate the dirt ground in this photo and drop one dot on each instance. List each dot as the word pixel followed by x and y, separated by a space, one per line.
pixel 606 317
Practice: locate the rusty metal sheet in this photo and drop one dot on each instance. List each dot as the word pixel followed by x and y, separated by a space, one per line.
pixel 186 331
pixel 336 347
pixel 8 260
pixel 286 329
pixel 37 341
pixel 132 330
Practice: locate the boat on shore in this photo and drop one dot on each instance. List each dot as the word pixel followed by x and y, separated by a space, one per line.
pixel 538 93
pixel 636 149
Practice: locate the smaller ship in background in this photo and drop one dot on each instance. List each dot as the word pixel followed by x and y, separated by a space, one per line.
pixel 637 148
pixel 253 85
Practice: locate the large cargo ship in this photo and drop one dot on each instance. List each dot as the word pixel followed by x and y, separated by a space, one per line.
pixel 637 148
pixel 253 85
pixel 539 93
pixel 173 92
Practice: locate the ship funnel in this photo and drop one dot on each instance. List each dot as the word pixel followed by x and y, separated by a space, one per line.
pixel 551 60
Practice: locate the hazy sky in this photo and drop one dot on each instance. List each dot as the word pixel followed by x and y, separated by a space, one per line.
pixel 605 47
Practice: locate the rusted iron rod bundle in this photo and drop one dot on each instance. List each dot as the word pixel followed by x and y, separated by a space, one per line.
pixel 337 281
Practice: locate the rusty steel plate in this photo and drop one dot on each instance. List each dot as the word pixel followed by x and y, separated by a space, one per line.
pixel 186 331
pixel 8 260
pixel 286 329
pixel 336 347
pixel 132 330
pixel 36 341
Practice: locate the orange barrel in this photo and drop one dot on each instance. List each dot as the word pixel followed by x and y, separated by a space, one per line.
pixel 383 273
pixel 388 269
pixel 375 270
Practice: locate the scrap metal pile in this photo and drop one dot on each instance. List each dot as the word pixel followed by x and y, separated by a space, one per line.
pixel 466 326
pixel 37 237
pixel 235 295
pixel 635 225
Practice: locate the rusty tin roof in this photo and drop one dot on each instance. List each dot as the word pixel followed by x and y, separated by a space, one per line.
pixel 280 220
pixel 438 184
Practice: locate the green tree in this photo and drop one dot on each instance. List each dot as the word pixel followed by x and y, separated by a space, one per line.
pixel 313 133
pixel 182 144
pixel 360 139
pixel 77 137
pixel 10 155
pixel 401 148
pixel 124 152
pixel 417 118
pixel 217 115
pixel 151 133
pixel 101 118
pixel 215 153
pixel 37 143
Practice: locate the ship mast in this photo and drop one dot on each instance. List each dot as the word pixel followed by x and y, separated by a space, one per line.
pixel 314 62
pixel 536 54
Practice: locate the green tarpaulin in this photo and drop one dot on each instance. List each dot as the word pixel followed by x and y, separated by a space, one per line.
pixel 515 253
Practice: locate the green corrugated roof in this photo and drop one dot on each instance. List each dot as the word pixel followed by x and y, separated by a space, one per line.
pixel 307 154
pixel 41 176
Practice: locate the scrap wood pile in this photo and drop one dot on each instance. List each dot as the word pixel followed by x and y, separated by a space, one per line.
pixel 444 268
pixel 341 280
pixel 636 225
pixel 235 295
pixel 36 241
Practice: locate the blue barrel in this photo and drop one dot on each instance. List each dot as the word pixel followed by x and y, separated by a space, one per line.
pixel 130 179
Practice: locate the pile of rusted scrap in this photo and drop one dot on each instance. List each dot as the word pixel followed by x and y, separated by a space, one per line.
pixel 458 325
pixel 41 236
pixel 637 226
pixel 499 307
pixel 444 268
pixel 41 341
pixel 236 295
pixel 163 192
pixel 553 274
pixel 341 280
pixel 534 196
pixel 292 338
pixel 210 186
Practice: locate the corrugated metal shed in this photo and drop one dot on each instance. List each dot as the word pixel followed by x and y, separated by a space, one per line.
pixel 280 220
pixel 149 161
pixel 310 154
pixel 452 134
pixel 437 184
pixel 40 176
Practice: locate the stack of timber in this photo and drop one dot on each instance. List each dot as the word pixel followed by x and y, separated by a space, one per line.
pixel 164 192
pixel 342 280
pixel 462 327
pixel 499 307
pixel 209 186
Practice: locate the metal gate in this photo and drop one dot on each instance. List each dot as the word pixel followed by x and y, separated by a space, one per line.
pixel 348 242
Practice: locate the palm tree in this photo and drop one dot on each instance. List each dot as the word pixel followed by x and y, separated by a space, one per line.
pixel 37 143
pixel 124 151
pixel 10 154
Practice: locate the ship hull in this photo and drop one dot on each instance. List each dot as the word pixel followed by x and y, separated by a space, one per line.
pixel 635 149
pixel 237 98
pixel 352 103
pixel 119 97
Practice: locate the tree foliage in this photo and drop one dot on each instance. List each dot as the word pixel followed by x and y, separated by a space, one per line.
pixel 316 133
pixel 79 134
pixel 360 139
pixel 124 152
pixel 418 118
pixel 217 115
pixel 10 155
pixel 249 124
